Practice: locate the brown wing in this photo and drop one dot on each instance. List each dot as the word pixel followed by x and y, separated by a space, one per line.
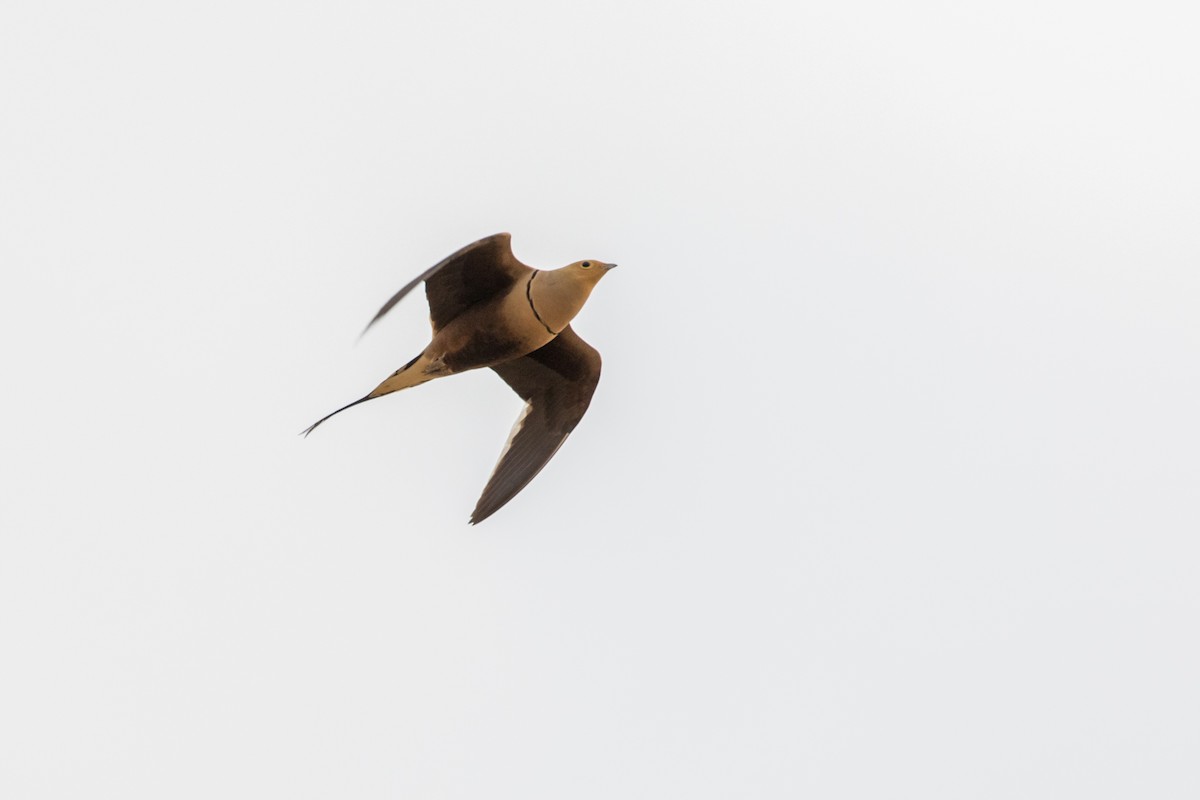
pixel 477 272
pixel 556 382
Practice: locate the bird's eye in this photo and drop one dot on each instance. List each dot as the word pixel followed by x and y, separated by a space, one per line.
pixel 586 265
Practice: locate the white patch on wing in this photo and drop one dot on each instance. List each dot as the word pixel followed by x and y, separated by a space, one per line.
pixel 512 435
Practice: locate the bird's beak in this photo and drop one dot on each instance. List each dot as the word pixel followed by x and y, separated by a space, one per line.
pixel 607 267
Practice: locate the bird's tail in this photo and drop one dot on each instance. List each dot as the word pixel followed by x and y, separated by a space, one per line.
pixel 420 370
pixel 313 427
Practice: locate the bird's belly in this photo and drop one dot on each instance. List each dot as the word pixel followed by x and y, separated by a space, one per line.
pixel 491 335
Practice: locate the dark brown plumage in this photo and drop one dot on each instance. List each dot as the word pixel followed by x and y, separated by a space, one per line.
pixel 488 309
pixel 479 271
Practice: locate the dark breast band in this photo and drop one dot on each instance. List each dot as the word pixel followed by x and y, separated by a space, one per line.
pixel 529 297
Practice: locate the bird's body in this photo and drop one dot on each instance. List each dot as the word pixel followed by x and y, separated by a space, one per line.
pixel 489 310
pixel 490 332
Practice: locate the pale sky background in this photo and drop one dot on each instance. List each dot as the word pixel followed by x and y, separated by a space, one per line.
pixel 890 488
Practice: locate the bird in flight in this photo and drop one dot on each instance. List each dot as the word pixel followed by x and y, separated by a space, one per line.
pixel 490 310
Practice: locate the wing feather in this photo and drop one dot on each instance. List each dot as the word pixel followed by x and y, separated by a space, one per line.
pixel 479 271
pixel 556 382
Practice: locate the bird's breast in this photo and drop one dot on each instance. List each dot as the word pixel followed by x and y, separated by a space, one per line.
pixel 555 299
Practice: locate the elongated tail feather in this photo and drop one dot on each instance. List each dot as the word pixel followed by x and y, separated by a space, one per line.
pixel 313 427
pixel 411 374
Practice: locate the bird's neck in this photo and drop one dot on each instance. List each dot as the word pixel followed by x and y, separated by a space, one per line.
pixel 556 297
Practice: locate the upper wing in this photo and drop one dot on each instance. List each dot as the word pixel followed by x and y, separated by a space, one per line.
pixel 556 382
pixel 476 272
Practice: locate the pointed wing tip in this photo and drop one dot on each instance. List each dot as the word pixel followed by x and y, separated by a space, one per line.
pixel 487 505
pixel 381 313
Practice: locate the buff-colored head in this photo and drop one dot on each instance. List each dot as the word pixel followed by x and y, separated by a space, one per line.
pixel 559 294
pixel 587 272
pixel 592 269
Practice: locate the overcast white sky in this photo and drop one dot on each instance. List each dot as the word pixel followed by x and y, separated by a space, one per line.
pixel 889 490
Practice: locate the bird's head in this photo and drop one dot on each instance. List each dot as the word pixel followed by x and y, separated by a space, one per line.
pixel 589 272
